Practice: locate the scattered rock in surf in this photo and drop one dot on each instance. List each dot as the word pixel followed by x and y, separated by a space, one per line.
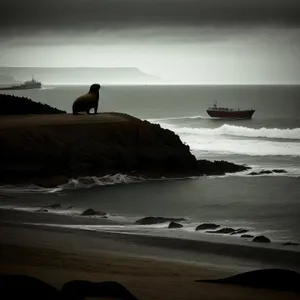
pixel 157 220
pixel 54 206
pixel 70 207
pixel 44 210
pixel 263 172
pixel 205 226
pixel 91 212
pixel 279 171
pixel 276 279
pixel 239 231
pixel 225 230
pixel 247 236
pixel 267 172
pixel 290 244
pixel 261 239
pixel 175 225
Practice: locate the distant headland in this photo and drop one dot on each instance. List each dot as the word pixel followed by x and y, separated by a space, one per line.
pixel 79 75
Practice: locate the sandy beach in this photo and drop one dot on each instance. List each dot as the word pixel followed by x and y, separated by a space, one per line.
pixel 57 255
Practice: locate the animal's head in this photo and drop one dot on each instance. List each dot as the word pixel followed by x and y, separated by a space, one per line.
pixel 94 88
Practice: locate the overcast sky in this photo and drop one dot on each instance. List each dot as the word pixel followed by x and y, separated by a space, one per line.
pixel 205 41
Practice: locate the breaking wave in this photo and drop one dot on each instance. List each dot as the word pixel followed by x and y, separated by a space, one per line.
pixel 84 183
pixel 271 133
pixel 178 118
pixel 230 139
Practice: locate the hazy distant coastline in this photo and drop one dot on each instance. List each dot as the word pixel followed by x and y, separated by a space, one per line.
pixel 78 75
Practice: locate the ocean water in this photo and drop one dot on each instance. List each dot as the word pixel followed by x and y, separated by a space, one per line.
pixel 266 204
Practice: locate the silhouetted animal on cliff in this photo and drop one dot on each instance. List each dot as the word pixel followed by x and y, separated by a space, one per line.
pixel 276 279
pixel 26 287
pixel 88 101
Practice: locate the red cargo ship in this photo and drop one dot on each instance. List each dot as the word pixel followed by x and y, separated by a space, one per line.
pixel 229 113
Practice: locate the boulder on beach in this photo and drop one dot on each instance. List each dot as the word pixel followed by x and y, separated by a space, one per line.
pixel 247 236
pixel 206 226
pixel 290 244
pixel 267 172
pixel 261 239
pixel 175 225
pixel 92 212
pixel 279 171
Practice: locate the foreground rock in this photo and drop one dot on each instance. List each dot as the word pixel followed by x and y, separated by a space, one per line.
pixel 47 150
pixel 275 279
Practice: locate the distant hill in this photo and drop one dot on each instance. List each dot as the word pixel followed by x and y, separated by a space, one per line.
pixel 80 75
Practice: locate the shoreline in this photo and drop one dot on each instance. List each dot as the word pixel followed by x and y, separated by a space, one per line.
pixel 57 256
pixel 35 229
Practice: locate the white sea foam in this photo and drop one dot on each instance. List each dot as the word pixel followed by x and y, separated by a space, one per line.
pixel 240 131
pixel 254 142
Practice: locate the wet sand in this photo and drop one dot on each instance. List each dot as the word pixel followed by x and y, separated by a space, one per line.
pixel 57 255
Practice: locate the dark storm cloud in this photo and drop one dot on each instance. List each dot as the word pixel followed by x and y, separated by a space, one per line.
pixel 54 15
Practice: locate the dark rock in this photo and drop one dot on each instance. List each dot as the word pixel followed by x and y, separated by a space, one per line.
pixel 219 167
pixel 14 105
pixel 247 236
pixel 70 207
pixel 175 225
pixel 263 172
pixel 15 286
pixel 239 231
pixel 261 239
pixel 279 171
pixel 83 289
pixel 276 279
pixel 157 220
pixel 253 173
pixel 205 226
pixel 91 212
pixel 290 244
pixel 224 230
pixel 34 151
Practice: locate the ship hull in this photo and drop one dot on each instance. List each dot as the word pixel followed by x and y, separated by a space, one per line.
pixel 238 114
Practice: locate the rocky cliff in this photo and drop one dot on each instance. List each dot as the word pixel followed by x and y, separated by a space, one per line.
pixel 14 105
pixel 49 149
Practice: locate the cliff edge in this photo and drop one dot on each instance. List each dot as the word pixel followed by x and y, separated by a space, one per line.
pixel 48 150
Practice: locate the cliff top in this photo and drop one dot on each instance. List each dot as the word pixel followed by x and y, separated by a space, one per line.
pixel 63 119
